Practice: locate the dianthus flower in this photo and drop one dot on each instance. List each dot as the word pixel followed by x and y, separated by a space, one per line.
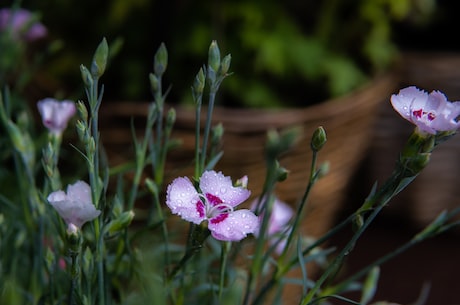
pixel 278 223
pixel 21 25
pixel 75 206
pixel 55 115
pixel 214 202
pixel 431 113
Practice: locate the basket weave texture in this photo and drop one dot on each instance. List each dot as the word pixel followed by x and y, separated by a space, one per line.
pixel 347 121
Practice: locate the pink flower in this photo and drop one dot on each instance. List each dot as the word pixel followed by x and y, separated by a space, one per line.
pixel 429 112
pixel 214 203
pixel 55 114
pixel 75 206
pixel 21 25
pixel 278 223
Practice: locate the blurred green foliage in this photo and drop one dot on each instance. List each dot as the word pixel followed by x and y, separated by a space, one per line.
pixel 284 53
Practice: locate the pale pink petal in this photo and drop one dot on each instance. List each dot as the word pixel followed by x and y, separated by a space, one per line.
pixel 182 199
pixel 236 226
pixel 431 113
pixel 76 206
pixel 406 99
pixel 80 191
pixel 221 186
pixel 55 115
pixel 281 215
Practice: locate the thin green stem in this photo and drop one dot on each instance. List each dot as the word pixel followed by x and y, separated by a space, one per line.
pixel 207 129
pixel 223 268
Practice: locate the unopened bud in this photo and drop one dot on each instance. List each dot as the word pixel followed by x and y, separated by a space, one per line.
pixel 225 65
pixel 153 82
pixel 161 60
pixel 86 76
pixel 214 56
pixel 100 59
pixel 198 84
pixel 82 111
pixel 121 222
pixel 81 131
pixel 318 139
pixel 281 173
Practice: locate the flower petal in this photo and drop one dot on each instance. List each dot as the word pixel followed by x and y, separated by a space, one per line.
pixel 76 206
pixel 407 99
pixel 80 191
pixel 221 186
pixel 236 226
pixel 429 112
pixel 182 199
pixel 55 115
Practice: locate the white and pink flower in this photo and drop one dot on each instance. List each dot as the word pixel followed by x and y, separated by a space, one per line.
pixel 214 202
pixel 431 113
pixel 76 206
pixel 56 114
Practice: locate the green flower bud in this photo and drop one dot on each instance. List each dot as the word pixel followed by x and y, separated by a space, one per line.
pixel 318 139
pixel 153 82
pixel 82 111
pixel 225 65
pixel 281 173
pixel 278 143
pixel 100 59
pixel 198 86
pixel 86 76
pixel 120 222
pixel 91 145
pixel 161 60
pixel 81 131
pixel 214 56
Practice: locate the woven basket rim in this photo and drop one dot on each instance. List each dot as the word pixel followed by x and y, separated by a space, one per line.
pixel 250 119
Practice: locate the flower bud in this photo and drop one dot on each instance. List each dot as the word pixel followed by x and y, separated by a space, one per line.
pixel 82 111
pixel 100 59
pixel 86 76
pixel 161 60
pixel 81 131
pixel 214 56
pixel 120 222
pixel 91 145
pixel 225 65
pixel 318 139
pixel 153 82
pixel 198 84
pixel 281 173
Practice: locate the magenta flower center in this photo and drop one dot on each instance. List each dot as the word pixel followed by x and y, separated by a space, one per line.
pixel 213 208
pixel 419 114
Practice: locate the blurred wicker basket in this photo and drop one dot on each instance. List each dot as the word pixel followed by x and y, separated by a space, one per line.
pixel 436 188
pixel 347 121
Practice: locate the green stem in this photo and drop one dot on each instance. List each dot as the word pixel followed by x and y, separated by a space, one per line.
pixel 223 267
pixel 207 129
pixel 198 152
pixel 312 180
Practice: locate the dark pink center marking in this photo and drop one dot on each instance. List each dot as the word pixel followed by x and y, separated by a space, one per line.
pixel 419 113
